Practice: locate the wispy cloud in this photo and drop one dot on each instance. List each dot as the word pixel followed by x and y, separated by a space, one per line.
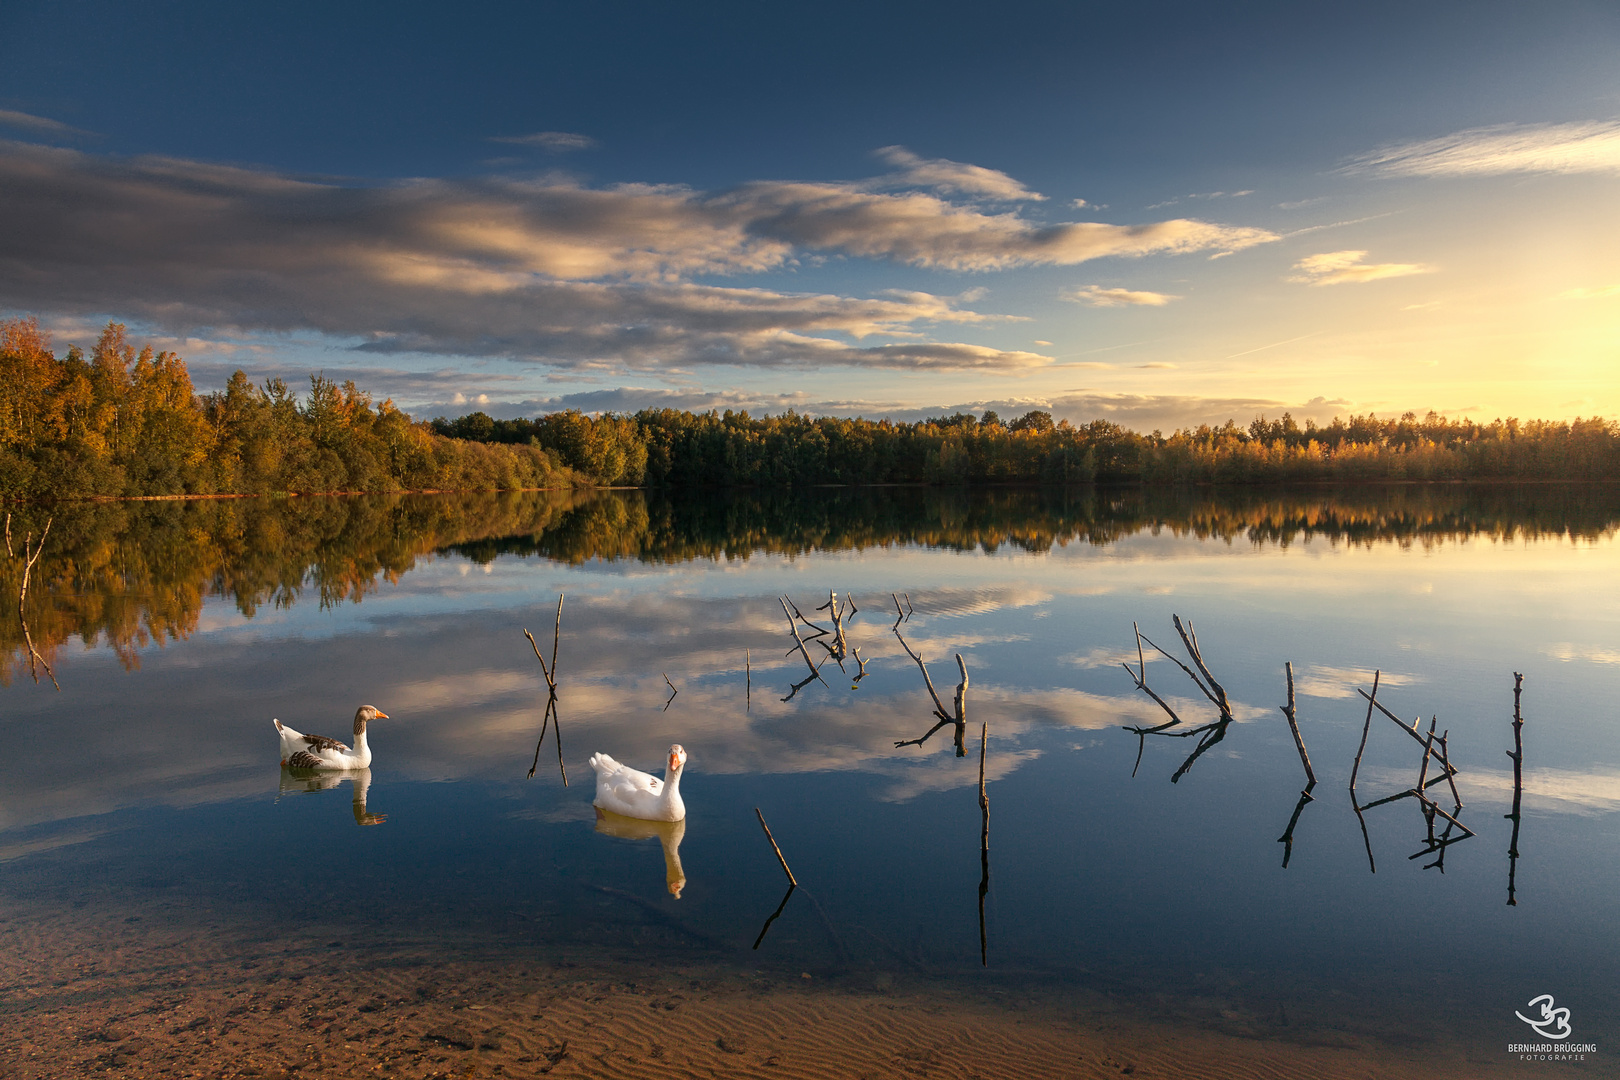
pixel 558 142
pixel 1591 654
pixel 542 269
pixel 39 125
pixel 1098 296
pixel 956 178
pixel 1323 681
pixel 1583 147
pixel 1599 293
pixel 1346 267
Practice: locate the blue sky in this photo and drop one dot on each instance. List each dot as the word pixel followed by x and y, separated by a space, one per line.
pixel 1159 214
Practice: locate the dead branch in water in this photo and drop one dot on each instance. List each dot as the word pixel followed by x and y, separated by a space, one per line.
pixel 821 631
pixel 748 683
pixel 901 614
pixel 1436 748
pixel 857 680
pixel 984 846
pixel 552 717
pixel 1293 726
pixel 1517 754
pixel 798 641
pixel 1366 727
pixel 1287 838
pixel 672 690
pixel 35 660
pixel 774 915
pixel 793 881
pixel 959 719
pixel 1208 734
pixel 839 649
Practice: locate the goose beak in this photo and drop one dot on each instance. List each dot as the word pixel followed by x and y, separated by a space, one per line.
pixel 381 715
pixel 674 762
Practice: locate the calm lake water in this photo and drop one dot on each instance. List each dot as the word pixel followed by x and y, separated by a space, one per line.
pixel 177 631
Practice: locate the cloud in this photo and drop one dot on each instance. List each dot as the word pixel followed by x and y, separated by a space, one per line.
pixel 1599 293
pixel 543 269
pixel 1098 296
pixel 1346 267
pixel 1593 654
pixel 953 177
pixel 558 142
pixel 1170 412
pixel 39 124
pixel 1341 682
pixel 1583 147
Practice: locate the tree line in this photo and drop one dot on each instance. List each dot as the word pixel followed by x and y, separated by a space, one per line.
pixel 674 449
pixel 124 423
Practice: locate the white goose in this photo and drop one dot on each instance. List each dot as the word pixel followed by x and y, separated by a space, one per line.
pixel 634 794
pixel 299 751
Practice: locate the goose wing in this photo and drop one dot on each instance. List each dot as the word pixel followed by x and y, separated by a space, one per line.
pixel 321 742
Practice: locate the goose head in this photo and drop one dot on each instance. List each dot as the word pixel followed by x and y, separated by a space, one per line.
pixel 365 715
pixel 677 761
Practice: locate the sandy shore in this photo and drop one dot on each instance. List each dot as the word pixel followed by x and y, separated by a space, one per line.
pixel 163 994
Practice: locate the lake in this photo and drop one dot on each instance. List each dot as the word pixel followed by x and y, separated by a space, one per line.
pixel 158 859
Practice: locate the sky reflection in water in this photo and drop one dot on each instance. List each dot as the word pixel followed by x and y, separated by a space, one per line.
pixel 1095 875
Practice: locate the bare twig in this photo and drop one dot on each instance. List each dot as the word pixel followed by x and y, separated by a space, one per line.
pixel 1365 838
pixel 1208 734
pixel 773 917
pixel 791 879
pixel 1299 740
pixel 1411 729
pixel 544 670
pixel 984 841
pixel 820 630
pixel 959 720
pixel 35 659
pixel 1287 838
pixel 748 686
pixel 1517 754
pixel 1366 727
pixel 672 690
pixel 552 716
pixel 797 640
pixel 939 706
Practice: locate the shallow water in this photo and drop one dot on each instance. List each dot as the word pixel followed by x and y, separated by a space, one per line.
pixel 178 631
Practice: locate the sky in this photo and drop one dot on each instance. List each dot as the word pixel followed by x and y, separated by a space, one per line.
pixel 1160 214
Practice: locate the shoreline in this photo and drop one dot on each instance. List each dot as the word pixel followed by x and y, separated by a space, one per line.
pixel 166 987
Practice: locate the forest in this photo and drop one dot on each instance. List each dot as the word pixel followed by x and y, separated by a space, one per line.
pixel 126 423
pixel 122 422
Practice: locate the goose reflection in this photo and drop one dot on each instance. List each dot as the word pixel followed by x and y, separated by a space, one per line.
pixel 669 834
pixel 315 780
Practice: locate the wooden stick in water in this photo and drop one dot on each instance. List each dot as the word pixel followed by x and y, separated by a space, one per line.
pixel 791 879
pixel 1517 754
pixel 748 686
pixel 984 844
pixel 1293 725
pixel 779 909
pixel 1365 728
